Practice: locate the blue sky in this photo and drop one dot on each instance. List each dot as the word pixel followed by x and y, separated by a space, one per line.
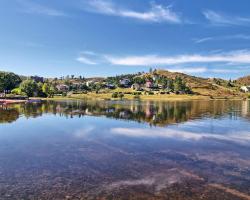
pixel 108 37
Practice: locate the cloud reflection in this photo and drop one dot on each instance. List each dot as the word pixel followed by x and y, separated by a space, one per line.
pixel 240 137
pixel 84 132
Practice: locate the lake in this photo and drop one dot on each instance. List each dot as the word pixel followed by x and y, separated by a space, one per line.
pixel 74 149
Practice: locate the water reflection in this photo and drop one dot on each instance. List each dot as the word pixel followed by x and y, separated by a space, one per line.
pixel 154 113
pixel 98 150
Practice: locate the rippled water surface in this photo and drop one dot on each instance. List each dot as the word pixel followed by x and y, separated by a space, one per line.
pixel 125 150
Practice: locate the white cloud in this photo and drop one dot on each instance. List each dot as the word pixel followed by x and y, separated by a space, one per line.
pixel 225 71
pixel 195 70
pixel 157 13
pixel 201 40
pixel 217 18
pixel 226 37
pixel 198 70
pixel 221 59
pixel 89 58
pixel 34 8
pixel 241 56
pixel 85 60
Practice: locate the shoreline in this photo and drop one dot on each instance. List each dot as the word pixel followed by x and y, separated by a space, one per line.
pixel 103 97
pixel 12 101
pixel 127 97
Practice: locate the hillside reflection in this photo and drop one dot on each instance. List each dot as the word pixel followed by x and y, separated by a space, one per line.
pixel 153 113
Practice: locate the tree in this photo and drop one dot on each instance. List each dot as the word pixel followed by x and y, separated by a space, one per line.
pixel 230 83
pixel 170 85
pixel 40 92
pixel 48 89
pixel 97 87
pixel 180 86
pixel 139 80
pixel 29 87
pixel 16 91
pixel 9 81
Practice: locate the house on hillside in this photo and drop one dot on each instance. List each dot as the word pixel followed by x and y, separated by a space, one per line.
pixel 149 84
pixel 245 88
pixel 125 82
pixel 136 86
pixel 110 86
pixel 89 83
pixel 62 88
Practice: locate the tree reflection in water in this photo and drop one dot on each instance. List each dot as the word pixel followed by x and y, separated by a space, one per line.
pixel 152 112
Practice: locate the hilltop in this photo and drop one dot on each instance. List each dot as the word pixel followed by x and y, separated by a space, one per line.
pixel 203 86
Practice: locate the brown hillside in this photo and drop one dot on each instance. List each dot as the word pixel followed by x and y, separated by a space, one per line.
pixel 203 86
pixel 244 80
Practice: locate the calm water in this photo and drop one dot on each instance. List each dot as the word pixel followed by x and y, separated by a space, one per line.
pixel 125 150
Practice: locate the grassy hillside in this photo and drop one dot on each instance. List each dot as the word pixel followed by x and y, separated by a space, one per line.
pixel 204 86
pixel 244 80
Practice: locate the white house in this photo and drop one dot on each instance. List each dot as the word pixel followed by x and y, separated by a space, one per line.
pixel 89 83
pixel 245 88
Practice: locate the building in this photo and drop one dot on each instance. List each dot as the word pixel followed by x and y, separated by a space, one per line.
pixel 110 86
pixel 149 84
pixel 89 83
pixel 245 88
pixel 136 86
pixel 62 88
pixel 125 82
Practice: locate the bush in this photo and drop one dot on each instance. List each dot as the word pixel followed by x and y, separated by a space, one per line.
pixel 120 95
pixel 64 94
pixel 115 95
pixel 16 91
pixel 137 93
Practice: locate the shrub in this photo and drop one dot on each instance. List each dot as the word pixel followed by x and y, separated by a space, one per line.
pixel 137 93
pixel 16 91
pixel 115 95
pixel 64 94
pixel 120 95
